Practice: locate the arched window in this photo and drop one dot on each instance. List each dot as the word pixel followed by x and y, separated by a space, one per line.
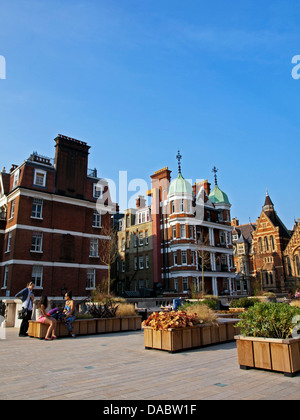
pixel 271 278
pixel 260 247
pixel 267 278
pixel 272 243
pixel 297 259
pixel 289 266
pixel 266 243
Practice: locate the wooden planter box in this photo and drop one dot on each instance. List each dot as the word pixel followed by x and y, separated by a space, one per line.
pixel 87 326
pixel 279 355
pixel 178 339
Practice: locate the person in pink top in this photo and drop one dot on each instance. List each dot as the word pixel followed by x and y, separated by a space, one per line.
pixel 46 319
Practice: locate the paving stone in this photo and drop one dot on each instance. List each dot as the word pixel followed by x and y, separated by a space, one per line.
pixel 117 367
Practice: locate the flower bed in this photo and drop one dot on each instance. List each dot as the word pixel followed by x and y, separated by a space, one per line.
pixel 177 331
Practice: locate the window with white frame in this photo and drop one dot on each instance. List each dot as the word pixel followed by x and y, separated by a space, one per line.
pixel 175 257
pixel 37 276
pixel 176 285
pixel 222 237
pixel 40 178
pixel 141 284
pixel 96 219
pixel 98 190
pixel 37 242
pixel 174 232
pixel 182 206
pixel 146 237
pixel 192 258
pixel 141 263
pixel 94 247
pixel 16 178
pixel 91 278
pixel 185 284
pixel 12 209
pixel 135 263
pixel 141 239
pixel 172 206
pixel 191 232
pixel 147 261
pixel 37 209
pixel 182 231
pixel 183 258
pixel 5 277
pixel 8 245
pixel 123 266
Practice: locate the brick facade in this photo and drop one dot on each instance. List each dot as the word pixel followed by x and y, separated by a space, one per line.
pixel 188 225
pixel 50 222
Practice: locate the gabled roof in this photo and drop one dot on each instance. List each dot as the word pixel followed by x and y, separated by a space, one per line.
pixel 245 231
pixel 283 231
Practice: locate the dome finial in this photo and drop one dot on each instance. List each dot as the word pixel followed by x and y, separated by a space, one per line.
pixel 179 157
pixel 215 171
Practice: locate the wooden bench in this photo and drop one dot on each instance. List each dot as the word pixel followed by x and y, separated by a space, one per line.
pixel 88 326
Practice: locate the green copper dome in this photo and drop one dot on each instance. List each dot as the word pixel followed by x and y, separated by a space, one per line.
pixel 180 186
pixel 217 196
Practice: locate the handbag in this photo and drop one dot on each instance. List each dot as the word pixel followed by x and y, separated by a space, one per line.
pixel 23 313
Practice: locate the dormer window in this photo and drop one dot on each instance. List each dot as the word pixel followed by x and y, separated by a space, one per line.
pixel 40 178
pixel 98 190
pixel 16 178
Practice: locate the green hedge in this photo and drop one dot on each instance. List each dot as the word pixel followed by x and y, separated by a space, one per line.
pixel 268 320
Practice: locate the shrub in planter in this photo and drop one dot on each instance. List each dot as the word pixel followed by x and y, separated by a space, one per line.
pixel 210 301
pixel 243 303
pixel 269 320
pixel 204 313
pixel 267 340
pixel 105 310
pixel 125 309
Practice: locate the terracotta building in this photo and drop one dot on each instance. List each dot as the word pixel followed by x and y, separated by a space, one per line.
pixel 189 236
pixel 50 227
pixel 292 259
pixel 270 239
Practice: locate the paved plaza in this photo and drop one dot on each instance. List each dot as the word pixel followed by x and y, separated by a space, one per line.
pixel 117 367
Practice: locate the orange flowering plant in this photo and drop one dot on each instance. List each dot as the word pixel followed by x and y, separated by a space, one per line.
pixel 173 319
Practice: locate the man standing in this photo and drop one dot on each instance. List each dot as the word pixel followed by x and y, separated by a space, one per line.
pixel 27 297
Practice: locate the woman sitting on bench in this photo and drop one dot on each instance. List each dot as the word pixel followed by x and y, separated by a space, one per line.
pixel 46 319
pixel 68 315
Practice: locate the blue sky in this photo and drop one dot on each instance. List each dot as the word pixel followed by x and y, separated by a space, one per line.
pixel 138 79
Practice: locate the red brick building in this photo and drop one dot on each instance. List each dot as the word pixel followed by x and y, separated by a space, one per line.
pixel 270 239
pixel 192 247
pixel 51 230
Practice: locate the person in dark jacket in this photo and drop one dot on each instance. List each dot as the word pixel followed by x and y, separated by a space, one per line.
pixel 27 297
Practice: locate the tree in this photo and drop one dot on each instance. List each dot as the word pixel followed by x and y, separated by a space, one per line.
pixel 202 242
pixel 108 251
